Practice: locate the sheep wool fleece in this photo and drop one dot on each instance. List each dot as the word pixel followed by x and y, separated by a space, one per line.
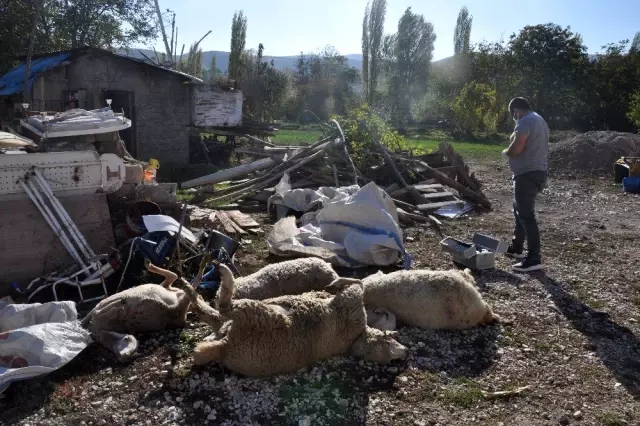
pixel 429 299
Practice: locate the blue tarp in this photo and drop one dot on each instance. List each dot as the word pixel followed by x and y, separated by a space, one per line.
pixel 13 81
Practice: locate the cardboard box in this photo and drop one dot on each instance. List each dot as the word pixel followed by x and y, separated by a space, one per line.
pixel 480 253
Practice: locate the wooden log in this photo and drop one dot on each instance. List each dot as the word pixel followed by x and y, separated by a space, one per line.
pixel 404 205
pixel 266 181
pixel 435 206
pixel 254 139
pixel 231 173
pixel 436 195
pixel 313 148
pixel 463 175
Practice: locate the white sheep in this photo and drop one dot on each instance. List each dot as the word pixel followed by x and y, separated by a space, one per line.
pixel 141 309
pixel 283 334
pixel 290 277
pixel 429 299
pixel 380 318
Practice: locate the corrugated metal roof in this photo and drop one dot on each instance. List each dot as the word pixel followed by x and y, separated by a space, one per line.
pixel 13 81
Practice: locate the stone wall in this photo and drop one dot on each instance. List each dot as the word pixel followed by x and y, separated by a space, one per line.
pixel 162 102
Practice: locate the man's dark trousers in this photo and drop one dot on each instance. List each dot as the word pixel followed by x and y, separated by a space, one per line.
pixel 526 187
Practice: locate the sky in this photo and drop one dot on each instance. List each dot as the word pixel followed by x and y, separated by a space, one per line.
pixel 288 27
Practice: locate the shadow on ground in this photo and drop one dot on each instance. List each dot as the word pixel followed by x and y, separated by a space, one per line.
pixel 616 346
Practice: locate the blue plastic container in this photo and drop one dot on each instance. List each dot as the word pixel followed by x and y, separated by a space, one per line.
pixel 631 184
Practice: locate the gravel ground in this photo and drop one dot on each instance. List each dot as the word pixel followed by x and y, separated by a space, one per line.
pixel 573 343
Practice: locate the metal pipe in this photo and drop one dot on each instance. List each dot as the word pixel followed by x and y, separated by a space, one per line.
pixel 53 221
pixel 75 232
pixel 84 246
pixel 55 226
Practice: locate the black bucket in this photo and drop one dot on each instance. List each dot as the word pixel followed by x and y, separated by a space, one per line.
pixel 218 240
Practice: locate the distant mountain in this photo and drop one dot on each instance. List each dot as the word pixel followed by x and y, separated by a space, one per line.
pixel 222 59
pixel 280 62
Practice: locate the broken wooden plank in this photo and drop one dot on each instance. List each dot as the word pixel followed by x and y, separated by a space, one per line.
pixel 429 187
pixel 243 220
pixel 237 228
pixel 473 196
pixel 227 223
pixel 436 206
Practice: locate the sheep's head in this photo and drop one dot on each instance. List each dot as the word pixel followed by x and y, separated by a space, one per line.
pixel 378 346
pixel 381 318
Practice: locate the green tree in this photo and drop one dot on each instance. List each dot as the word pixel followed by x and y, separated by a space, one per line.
pixel 213 70
pixel 476 108
pixel 66 24
pixel 413 50
pixel 372 45
pixel 612 80
pixel 550 63
pixel 104 23
pixel 634 109
pixel 192 65
pixel 462 33
pixel 323 84
pixel 265 88
pixel 376 29
pixel 365 52
pixel 635 44
pixel 238 41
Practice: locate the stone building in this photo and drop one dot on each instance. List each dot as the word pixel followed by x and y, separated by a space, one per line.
pixel 165 106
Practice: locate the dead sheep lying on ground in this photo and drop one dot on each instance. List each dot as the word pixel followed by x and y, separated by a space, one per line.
pixel 429 299
pixel 141 309
pixel 290 277
pixel 284 334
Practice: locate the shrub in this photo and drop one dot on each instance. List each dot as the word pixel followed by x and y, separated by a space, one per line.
pixel 362 128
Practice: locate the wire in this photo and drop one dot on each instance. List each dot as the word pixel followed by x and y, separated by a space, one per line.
pixel 124 271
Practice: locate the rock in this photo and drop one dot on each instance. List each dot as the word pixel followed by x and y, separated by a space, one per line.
pixel 563 420
pixel 197 405
pixel 101 422
pixel 577 415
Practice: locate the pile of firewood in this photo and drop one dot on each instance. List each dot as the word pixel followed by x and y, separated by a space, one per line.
pixel 441 179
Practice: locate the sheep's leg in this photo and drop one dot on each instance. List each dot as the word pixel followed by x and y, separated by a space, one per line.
pixel 169 277
pixel 490 318
pixel 226 288
pixel 207 352
pixel 201 308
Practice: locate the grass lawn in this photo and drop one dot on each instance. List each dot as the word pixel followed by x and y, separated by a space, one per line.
pixel 479 150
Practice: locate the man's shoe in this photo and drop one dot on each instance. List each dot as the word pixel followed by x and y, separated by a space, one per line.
pixel 515 254
pixel 527 266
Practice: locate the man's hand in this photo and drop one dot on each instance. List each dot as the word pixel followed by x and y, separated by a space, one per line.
pixel 516 146
pixel 504 152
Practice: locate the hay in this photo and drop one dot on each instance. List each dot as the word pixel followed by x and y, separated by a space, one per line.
pixel 594 152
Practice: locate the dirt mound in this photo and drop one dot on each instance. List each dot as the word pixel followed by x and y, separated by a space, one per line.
pixel 594 152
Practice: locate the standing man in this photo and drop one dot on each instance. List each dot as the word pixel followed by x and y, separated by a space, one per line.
pixel 527 154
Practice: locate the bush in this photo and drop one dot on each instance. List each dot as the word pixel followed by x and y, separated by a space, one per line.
pixel 634 110
pixel 362 128
pixel 476 109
